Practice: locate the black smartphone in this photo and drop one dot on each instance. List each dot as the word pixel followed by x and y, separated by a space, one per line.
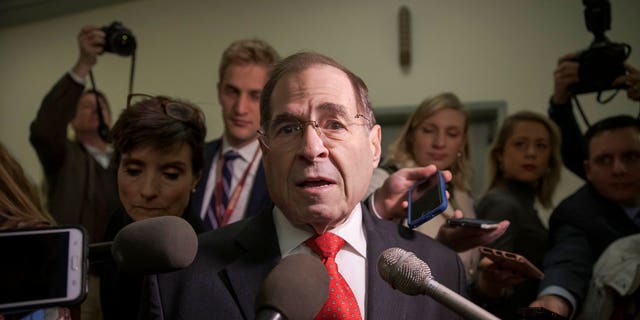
pixel 427 199
pixel 538 313
pixel 42 267
pixel 473 223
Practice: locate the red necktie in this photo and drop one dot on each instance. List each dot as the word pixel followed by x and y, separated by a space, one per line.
pixel 341 304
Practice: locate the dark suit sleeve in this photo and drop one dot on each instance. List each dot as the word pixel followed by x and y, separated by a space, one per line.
pixel 569 260
pixel 573 147
pixel 49 128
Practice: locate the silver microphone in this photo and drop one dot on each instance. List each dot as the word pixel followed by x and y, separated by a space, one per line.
pixel 410 275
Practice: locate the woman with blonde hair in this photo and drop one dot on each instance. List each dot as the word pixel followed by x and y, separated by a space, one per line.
pixel 21 208
pixel 436 133
pixel 20 204
pixel 524 168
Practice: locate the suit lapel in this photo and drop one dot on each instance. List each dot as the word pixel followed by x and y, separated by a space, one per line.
pixel 381 302
pixel 259 254
pixel 198 197
pixel 259 198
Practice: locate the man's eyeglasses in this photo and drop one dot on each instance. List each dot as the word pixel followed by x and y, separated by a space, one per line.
pixel 286 133
pixel 174 109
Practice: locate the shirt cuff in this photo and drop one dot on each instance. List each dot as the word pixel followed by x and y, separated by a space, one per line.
pixel 372 205
pixel 561 292
pixel 76 78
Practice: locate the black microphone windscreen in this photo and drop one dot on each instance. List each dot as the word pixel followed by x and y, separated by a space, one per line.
pixel 297 287
pixel 155 245
pixel 403 270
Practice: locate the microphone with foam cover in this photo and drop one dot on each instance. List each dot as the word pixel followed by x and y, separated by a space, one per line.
pixel 295 289
pixel 155 245
pixel 407 273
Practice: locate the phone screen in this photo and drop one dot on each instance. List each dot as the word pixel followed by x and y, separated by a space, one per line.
pixel 426 199
pixel 41 267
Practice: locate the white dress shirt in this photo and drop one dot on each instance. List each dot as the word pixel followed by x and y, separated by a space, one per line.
pixel 351 260
pixel 239 166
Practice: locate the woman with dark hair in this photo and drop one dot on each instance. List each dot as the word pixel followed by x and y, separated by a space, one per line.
pixel 158 150
pixel 524 168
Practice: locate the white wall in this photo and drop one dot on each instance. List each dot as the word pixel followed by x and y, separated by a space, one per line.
pixel 481 50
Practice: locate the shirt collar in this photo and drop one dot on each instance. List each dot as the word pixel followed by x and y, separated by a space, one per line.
pixel 97 152
pixel 632 212
pixel 291 237
pixel 246 152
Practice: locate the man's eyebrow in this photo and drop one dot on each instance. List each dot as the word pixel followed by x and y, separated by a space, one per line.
pixel 335 108
pixel 285 116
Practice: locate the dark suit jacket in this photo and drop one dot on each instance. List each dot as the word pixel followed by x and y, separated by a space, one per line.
pixel 79 190
pixel 232 262
pixel 514 201
pixel 258 199
pixel 580 229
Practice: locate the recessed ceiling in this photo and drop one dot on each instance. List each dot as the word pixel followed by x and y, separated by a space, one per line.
pixel 16 12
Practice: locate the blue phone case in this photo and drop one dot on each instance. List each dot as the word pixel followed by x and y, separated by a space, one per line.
pixel 435 198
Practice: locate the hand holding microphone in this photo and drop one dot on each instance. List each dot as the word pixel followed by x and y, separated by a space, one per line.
pixel 407 273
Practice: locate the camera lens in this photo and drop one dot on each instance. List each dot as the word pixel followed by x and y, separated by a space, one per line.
pixel 119 39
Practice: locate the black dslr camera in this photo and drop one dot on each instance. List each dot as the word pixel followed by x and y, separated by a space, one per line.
pixel 118 39
pixel 603 61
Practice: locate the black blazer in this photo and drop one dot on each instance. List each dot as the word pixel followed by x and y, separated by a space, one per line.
pixel 258 200
pixel 232 262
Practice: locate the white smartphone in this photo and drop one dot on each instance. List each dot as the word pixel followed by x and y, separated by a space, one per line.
pixel 42 267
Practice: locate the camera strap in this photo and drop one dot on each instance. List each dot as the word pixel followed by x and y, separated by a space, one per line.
pixel 103 129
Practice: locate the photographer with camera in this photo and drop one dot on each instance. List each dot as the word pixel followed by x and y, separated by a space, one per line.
pixel 80 180
pixel 566 76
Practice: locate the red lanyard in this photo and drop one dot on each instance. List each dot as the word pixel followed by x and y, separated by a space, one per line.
pixel 224 214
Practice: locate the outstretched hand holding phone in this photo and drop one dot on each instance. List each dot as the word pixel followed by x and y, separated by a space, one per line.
pixel 464 236
pixel 391 199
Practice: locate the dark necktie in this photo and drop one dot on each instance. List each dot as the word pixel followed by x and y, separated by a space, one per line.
pixel 341 304
pixel 227 174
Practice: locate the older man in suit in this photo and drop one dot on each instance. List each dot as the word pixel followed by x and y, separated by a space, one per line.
pixel 320 144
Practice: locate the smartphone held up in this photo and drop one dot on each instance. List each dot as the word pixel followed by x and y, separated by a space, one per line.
pixel 426 199
pixel 42 267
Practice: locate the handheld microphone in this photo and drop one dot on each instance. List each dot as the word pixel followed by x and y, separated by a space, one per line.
pixel 295 289
pixel 407 273
pixel 100 252
pixel 155 245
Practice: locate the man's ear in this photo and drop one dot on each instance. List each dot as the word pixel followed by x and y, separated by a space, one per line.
pixel 375 137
